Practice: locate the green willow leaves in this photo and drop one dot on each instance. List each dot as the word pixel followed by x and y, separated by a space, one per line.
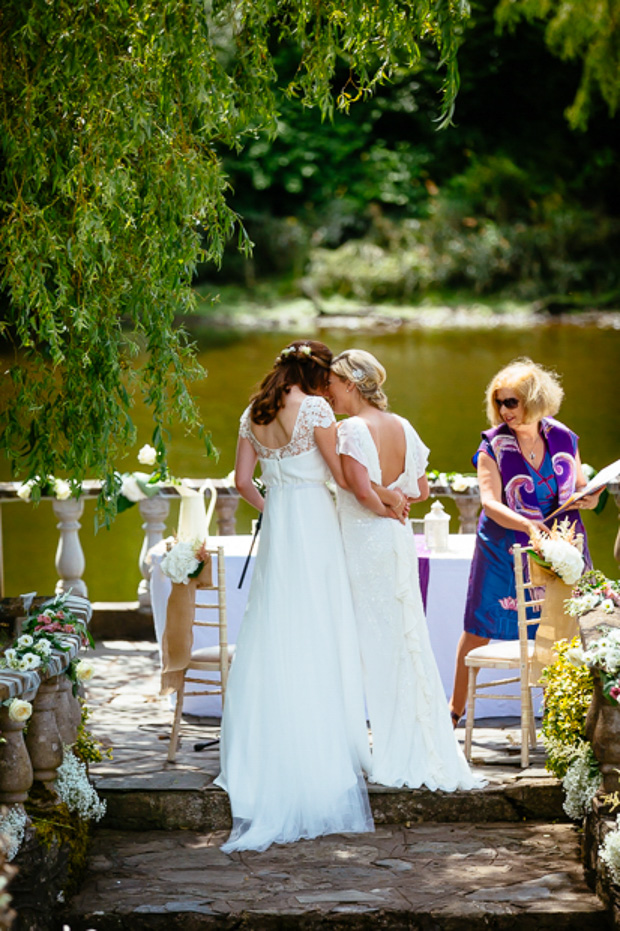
pixel 111 190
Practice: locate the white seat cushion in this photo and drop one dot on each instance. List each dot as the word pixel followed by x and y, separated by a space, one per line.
pixel 210 654
pixel 501 652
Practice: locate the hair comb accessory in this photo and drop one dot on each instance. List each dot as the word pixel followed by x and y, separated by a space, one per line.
pixel 357 374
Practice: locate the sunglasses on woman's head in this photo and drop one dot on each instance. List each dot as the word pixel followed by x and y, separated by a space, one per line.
pixel 508 403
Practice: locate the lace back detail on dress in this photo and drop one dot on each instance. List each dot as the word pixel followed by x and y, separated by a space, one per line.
pixel 313 412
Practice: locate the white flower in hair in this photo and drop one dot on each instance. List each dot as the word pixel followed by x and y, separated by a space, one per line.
pixel 287 351
pixel 307 351
pixel 357 374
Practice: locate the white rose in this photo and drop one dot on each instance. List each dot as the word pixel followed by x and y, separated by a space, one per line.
pixel 459 483
pixel 24 641
pixel 62 489
pixel 20 710
pixel 575 656
pixel 84 670
pixel 29 661
pixel 10 656
pixel 25 490
pixel 147 455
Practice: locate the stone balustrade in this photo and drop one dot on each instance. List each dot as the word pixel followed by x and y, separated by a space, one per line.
pixel 70 562
pixel 55 718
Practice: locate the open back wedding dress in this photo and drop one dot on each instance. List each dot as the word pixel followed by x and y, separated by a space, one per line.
pixel 294 737
pixel 413 742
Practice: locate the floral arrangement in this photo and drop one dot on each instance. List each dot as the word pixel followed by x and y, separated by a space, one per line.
pixel 49 485
pixel 556 551
pixel 76 790
pixel 603 656
pixel 592 591
pixel 454 480
pixel 45 631
pixel 184 560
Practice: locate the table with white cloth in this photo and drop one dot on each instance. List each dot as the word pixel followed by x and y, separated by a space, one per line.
pixel 444 578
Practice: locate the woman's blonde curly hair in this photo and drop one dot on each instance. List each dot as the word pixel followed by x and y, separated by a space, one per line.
pixel 365 372
pixel 538 389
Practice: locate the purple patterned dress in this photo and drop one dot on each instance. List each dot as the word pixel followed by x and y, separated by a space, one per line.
pixel 491 608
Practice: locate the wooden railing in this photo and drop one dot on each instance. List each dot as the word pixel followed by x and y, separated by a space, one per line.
pixel 70 561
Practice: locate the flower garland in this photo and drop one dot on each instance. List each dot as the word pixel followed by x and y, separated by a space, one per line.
pixel 456 481
pixel 556 551
pixel 593 590
pixel 59 487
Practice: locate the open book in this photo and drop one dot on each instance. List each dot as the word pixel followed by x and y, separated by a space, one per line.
pixel 609 474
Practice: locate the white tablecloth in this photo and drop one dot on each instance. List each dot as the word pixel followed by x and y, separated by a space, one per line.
pixel 445 604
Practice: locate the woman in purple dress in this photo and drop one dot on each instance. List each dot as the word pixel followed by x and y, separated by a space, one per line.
pixel 528 465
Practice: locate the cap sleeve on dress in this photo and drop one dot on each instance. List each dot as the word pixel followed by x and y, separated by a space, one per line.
pixel 350 441
pixel 319 412
pixel 245 429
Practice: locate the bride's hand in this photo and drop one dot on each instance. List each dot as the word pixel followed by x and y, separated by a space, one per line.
pixel 401 507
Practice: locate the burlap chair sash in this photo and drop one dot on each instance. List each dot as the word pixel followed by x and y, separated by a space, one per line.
pixel 555 624
pixel 178 632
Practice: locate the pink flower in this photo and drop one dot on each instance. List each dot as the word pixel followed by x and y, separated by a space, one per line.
pixel 615 692
pixel 508 604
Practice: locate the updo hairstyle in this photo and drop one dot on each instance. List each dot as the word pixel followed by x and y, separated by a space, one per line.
pixel 365 372
pixel 304 362
pixel 538 390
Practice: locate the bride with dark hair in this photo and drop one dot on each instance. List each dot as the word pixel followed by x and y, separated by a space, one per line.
pixel 294 741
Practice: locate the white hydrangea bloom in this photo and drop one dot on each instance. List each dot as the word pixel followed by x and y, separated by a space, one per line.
pixel 564 558
pixel 180 562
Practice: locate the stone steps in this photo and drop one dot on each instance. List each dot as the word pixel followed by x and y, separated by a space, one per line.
pixel 189 801
pixel 429 876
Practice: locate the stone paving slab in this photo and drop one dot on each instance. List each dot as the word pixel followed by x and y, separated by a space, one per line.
pixel 143 790
pixel 429 876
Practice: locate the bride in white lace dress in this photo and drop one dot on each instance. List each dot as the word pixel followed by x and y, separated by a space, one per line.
pixel 413 742
pixel 294 740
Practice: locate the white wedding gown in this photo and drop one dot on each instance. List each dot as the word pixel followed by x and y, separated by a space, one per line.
pixel 294 738
pixel 413 742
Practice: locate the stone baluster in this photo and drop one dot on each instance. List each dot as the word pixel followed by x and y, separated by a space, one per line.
pixel 16 776
pixel 68 711
pixel 468 508
pixel 226 510
pixel 43 739
pixel 155 513
pixel 70 560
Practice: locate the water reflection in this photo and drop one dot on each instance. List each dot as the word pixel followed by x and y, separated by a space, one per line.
pixel 435 378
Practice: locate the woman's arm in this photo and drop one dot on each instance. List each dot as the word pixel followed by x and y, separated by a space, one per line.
pixel 358 481
pixel 245 463
pixel 490 483
pixel 326 440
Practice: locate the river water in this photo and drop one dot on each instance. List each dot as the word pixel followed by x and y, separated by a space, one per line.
pixel 436 378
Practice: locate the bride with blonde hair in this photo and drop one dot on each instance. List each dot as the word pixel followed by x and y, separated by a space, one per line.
pixel 413 742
